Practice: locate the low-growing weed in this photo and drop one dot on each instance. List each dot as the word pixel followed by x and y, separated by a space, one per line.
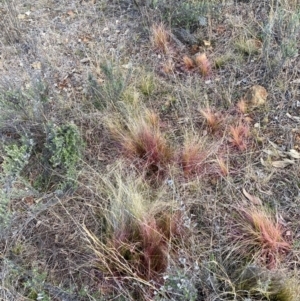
pixel 64 147
pixel 109 92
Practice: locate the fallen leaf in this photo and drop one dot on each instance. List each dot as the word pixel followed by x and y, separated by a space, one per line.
pixel 71 13
pixel 29 200
pixel 127 66
pixel 21 16
pixel 293 117
pixel 36 65
pixel 85 60
pixel 256 96
pixel 282 164
pixel 269 152
pixel 254 199
pixel 206 43
pixel 254 44
pixel 294 154
pixel 296 81
pixel 264 163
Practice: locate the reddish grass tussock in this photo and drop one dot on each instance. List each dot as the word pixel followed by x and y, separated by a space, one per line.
pixel 188 63
pixel 142 247
pixel 193 157
pixel 203 64
pixel 260 232
pixel 148 145
pixel 242 106
pixel 142 142
pixel 223 166
pixel 160 37
pixel 239 135
pixel 211 118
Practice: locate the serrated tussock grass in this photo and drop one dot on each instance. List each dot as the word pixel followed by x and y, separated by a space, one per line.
pixel 259 233
pixel 160 38
pixel 141 140
pixel 140 233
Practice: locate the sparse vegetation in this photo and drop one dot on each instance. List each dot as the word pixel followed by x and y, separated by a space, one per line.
pixel 152 152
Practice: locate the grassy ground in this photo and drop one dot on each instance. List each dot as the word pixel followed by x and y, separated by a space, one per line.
pixel 149 150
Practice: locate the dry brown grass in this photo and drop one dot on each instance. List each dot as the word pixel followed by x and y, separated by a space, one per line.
pixel 188 62
pixel 239 136
pixel 261 233
pixel 160 38
pixel 193 157
pixel 211 118
pixel 203 64
pixel 143 143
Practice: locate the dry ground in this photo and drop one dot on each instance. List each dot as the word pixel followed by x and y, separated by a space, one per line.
pixel 149 150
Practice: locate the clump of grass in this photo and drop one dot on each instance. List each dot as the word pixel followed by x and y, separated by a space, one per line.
pixel 160 38
pixel 168 66
pixel 242 106
pixel 211 118
pixel 223 166
pixel 193 157
pixel 147 84
pixel 188 62
pixel 281 30
pixel 184 14
pixel 261 233
pixel 203 64
pixel 142 141
pixel 256 281
pixel 288 289
pixel 239 136
pixel 137 241
pixel 109 92
pixel 221 61
pixel 248 47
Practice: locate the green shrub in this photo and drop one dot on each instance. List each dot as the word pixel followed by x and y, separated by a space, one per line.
pixel 16 157
pixel 63 148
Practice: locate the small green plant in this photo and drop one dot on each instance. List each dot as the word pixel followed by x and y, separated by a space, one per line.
pixel 178 285
pixel 109 92
pixel 24 108
pixel 147 85
pixel 282 30
pixel 17 156
pixel 256 281
pixel 5 215
pixel 183 14
pixel 64 145
pixel 14 106
pixel 35 286
pixel 248 47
